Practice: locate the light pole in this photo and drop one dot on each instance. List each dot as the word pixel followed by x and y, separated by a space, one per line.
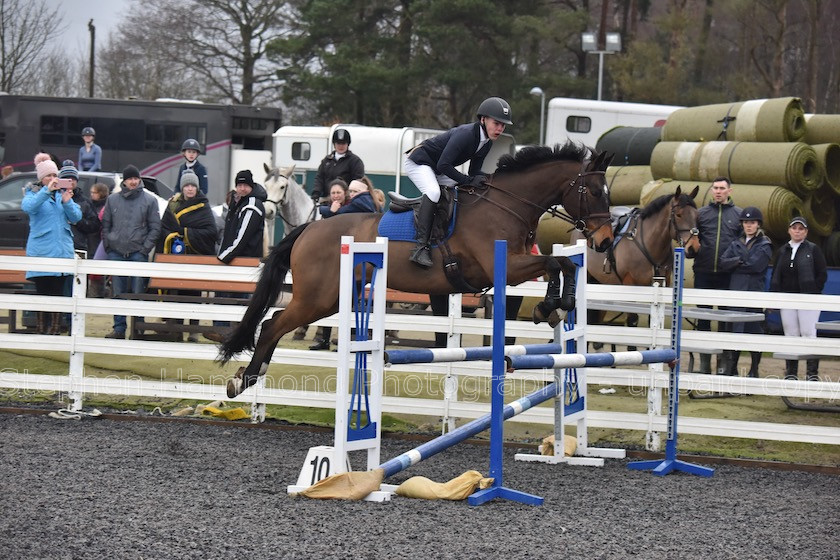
pixel 589 44
pixel 536 90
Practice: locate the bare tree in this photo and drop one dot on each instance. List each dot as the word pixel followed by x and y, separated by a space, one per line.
pixel 26 28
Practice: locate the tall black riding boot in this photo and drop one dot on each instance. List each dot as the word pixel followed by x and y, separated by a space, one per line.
pixel 791 369
pixel 755 359
pixel 425 220
pixel 812 370
pixel 725 362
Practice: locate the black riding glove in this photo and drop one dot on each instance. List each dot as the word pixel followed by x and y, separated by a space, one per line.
pixel 477 182
pixel 316 198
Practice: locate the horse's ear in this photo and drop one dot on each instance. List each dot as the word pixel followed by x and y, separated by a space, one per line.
pixel 695 191
pixel 267 168
pixel 287 171
pixel 608 157
pixel 678 192
pixel 595 164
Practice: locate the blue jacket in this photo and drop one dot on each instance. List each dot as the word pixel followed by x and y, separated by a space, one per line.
pixel 197 168
pixel 49 226
pixel 454 147
pixel 747 262
pixel 90 161
pixel 362 202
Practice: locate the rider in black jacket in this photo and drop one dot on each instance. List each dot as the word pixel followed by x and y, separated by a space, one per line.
pixel 433 163
pixel 341 163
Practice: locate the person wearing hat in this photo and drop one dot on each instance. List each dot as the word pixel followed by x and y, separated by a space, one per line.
pixel 51 210
pixel 341 163
pixel 90 155
pixel 242 235
pixel 800 268
pixel 188 227
pixel 433 163
pixel 719 224
pixel 191 149
pixel 747 259
pixel 130 229
pixel 89 224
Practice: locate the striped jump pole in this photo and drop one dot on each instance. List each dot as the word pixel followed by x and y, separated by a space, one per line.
pixel 598 359
pixel 438 355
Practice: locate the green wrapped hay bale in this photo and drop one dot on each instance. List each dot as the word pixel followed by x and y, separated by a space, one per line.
pixel 820 211
pixel 793 165
pixel 831 249
pixel 759 120
pixel 655 188
pixel 631 145
pixel 822 129
pixel 777 204
pixel 625 183
pixel 552 230
pixel 828 157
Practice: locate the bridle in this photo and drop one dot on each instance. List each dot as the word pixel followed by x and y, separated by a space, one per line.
pixel 678 231
pixel 577 184
pixel 277 203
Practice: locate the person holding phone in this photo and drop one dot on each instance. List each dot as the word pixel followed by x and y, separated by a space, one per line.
pixel 51 210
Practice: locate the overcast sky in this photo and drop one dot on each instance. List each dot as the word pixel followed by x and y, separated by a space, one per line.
pixel 106 14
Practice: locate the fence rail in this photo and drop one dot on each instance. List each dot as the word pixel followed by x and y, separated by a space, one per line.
pixel 76 384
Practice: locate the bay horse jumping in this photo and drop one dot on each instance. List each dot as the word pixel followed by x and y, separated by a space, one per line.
pixel 523 187
pixel 644 247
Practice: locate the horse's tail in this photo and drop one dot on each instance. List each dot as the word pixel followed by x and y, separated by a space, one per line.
pixel 265 296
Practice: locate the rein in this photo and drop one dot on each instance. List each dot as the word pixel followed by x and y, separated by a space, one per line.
pixel 639 241
pixel 278 203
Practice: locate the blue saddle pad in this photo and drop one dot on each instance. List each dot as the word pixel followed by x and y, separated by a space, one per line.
pixel 400 226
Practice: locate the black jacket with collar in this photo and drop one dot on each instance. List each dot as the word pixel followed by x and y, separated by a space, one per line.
pixel 348 168
pixel 454 147
pixel 806 274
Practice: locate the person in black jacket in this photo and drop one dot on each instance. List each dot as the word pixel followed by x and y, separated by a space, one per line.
pixel 747 259
pixel 432 164
pixel 800 268
pixel 340 164
pixel 191 149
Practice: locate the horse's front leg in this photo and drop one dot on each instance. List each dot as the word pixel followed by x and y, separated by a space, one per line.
pixel 559 294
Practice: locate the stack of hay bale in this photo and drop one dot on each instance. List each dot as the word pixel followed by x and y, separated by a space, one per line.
pixel 779 159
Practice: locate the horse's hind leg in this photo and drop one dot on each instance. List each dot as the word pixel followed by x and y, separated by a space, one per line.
pixel 559 294
pixel 272 331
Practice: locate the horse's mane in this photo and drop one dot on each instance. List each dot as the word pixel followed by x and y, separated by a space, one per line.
pixel 659 203
pixel 532 155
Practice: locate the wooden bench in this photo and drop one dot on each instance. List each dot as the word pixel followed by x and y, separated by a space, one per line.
pixel 159 289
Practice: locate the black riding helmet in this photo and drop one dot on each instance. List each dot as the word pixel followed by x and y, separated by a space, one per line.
pixel 191 144
pixel 752 213
pixel 495 108
pixel 88 130
pixel 341 136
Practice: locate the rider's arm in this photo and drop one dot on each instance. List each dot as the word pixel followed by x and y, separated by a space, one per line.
pixel 459 148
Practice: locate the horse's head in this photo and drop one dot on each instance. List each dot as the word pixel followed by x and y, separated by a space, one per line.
pixel 589 201
pixel 683 221
pixel 276 186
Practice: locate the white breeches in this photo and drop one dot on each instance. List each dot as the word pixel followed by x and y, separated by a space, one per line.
pixel 800 322
pixel 425 179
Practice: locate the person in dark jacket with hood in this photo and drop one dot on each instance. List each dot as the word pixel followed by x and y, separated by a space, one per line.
pixel 90 220
pixel 245 221
pixel 130 229
pixel 433 163
pixel 800 268
pixel 719 224
pixel 747 259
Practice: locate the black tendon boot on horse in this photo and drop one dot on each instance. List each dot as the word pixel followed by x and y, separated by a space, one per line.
pixel 425 220
pixel 554 299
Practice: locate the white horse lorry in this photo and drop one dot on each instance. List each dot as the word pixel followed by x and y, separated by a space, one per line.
pixel 381 149
pixel 585 120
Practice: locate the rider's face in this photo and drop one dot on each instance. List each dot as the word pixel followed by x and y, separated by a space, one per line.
pixel 494 127
pixel 750 227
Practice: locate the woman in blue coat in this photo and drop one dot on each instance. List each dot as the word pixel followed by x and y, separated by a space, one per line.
pixel 51 210
pixel 747 259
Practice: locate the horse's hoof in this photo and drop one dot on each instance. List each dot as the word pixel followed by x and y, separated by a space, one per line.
pixel 555 318
pixel 235 384
pixel 537 315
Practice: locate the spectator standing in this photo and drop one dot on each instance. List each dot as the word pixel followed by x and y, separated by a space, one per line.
pixel 719 225
pixel 51 210
pixel 98 196
pixel 191 149
pixel 188 223
pixel 244 227
pixel 433 163
pixel 130 229
pixel 90 155
pixel 360 201
pixel 747 259
pixel 800 268
pixel 341 163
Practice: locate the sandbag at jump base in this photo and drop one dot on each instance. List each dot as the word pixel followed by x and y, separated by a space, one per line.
pixel 793 165
pixel 759 120
pixel 822 129
pixel 625 183
pixel 828 157
pixel 777 204
pixel 631 145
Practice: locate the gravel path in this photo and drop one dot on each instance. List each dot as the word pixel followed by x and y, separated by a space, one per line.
pixel 99 488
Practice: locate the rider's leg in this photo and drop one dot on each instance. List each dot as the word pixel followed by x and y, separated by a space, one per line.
pixel 426 181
